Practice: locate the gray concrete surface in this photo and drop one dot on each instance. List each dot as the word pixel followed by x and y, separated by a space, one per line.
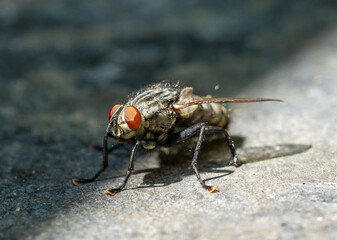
pixel 64 64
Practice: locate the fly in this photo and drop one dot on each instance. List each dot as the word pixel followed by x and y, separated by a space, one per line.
pixel 165 114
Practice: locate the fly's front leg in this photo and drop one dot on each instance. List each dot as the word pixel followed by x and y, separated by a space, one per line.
pixel 113 191
pixel 100 148
pixel 80 181
pixel 186 134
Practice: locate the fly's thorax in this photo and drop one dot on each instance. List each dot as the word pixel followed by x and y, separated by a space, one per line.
pixel 154 127
pixel 154 100
pixel 156 116
pixel 158 127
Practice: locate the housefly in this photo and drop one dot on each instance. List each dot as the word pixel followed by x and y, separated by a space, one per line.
pixel 166 114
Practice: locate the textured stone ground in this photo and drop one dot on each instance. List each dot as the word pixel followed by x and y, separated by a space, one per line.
pixel 63 64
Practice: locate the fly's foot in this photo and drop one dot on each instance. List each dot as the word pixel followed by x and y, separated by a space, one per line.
pixel 235 162
pixel 79 181
pixel 212 189
pixel 96 147
pixel 112 191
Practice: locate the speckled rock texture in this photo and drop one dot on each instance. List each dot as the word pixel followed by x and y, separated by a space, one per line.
pixel 64 63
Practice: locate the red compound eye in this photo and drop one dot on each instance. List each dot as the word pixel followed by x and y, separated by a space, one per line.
pixel 132 117
pixel 113 110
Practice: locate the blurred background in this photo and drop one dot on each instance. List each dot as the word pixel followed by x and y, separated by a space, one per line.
pixel 66 56
pixel 64 63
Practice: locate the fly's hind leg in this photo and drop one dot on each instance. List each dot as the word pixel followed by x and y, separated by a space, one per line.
pixel 219 130
pixel 231 145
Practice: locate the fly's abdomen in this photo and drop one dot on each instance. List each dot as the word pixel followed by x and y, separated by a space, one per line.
pixel 215 114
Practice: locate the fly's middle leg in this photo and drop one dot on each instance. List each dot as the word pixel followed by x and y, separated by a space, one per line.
pixel 204 130
pixel 186 134
pixel 195 157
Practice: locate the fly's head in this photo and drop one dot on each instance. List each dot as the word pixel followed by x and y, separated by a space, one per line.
pixel 125 122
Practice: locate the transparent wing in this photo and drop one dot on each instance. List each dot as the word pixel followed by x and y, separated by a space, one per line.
pixel 189 102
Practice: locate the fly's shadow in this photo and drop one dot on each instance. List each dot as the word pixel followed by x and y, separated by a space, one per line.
pixel 214 157
pixel 256 154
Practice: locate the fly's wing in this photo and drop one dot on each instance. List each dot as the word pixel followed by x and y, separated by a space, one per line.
pixel 191 101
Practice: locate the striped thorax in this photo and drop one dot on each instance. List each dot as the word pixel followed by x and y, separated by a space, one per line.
pixel 147 116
